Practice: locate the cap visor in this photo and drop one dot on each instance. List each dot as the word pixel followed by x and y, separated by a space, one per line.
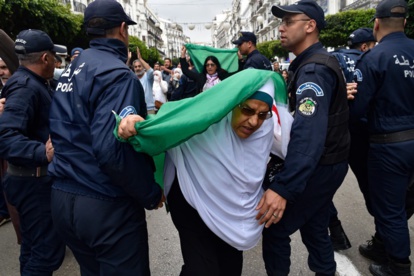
pixel 59 49
pixel 283 10
pixel 237 42
pixel 130 21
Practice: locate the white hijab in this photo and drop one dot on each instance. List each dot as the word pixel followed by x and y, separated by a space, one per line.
pixel 220 175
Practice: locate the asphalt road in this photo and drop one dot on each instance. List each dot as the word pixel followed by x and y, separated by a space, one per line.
pixel 165 255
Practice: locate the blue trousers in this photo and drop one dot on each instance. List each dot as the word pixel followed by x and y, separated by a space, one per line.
pixel 107 237
pixel 310 215
pixel 390 168
pixel 42 250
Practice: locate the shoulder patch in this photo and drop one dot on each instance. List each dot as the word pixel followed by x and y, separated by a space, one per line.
pixel 307 107
pixel 312 86
pixel 358 75
pixel 127 111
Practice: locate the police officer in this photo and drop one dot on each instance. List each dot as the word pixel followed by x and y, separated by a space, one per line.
pixel 315 164
pixel 25 144
pixel 247 46
pixel 101 185
pixel 385 78
pixel 360 41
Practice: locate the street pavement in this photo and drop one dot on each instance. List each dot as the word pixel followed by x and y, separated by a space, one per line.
pixel 165 255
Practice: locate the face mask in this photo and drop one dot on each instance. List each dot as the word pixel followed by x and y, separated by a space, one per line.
pixel 177 75
pixel 156 78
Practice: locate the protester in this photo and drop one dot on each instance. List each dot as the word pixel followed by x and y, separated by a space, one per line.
pixel 166 70
pixel 75 53
pixel 211 211
pixel 276 67
pixel 385 99
pixel 101 185
pixel 316 160
pixel 25 144
pixel 285 75
pixel 254 59
pixel 145 75
pixel 11 63
pixel 5 74
pixel 211 75
pixel 159 90
pixel 187 87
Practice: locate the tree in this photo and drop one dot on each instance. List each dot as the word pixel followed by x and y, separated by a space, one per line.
pixel 339 26
pixel 150 55
pixel 272 48
pixel 409 28
pixel 47 15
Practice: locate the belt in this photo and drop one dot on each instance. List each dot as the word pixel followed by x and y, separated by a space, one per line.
pixel 26 172
pixel 394 137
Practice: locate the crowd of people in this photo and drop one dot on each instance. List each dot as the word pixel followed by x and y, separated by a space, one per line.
pixel 75 175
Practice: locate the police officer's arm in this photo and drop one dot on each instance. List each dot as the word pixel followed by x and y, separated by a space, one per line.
pixel 307 138
pixel 133 171
pixel 19 114
pixel 368 79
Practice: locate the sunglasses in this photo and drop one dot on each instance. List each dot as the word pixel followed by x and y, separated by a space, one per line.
pixel 245 110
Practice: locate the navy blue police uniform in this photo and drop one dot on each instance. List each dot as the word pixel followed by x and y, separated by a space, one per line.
pixel 258 61
pixel 314 173
pixel 101 185
pixel 24 130
pixel 385 77
pixel 347 59
pixel 358 153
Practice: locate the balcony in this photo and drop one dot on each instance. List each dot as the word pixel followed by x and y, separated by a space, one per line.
pixel 79 7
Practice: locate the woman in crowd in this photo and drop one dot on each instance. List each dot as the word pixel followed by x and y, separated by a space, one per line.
pixel 159 89
pixel 285 74
pixel 211 75
pixel 213 183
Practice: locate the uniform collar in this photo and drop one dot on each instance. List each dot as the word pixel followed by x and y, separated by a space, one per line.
pixel 395 35
pixel 252 53
pixel 315 48
pixel 112 45
pixel 36 76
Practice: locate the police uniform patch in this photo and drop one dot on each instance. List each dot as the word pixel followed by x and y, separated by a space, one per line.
pixel 358 75
pixel 312 86
pixel 127 111
pixel 307 107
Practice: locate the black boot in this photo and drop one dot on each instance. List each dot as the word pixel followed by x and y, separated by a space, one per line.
pixel 390 269
pixel 374 250
pixel 338 237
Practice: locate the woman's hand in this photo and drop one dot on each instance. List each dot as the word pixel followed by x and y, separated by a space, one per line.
pixel 183 51
pixel 126 127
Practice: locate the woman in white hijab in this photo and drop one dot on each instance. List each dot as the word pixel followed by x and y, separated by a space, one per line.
pixel 213 186
pixel 159 89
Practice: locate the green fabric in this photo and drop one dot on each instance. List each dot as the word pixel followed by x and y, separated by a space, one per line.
pixel 228 58
pixel 178 121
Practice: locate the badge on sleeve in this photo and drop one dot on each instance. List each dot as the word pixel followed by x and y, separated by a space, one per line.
pixel 307 107
pixel 310 86
pixel 127 111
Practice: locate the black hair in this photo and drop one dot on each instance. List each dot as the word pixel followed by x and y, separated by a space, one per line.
pixel 216 62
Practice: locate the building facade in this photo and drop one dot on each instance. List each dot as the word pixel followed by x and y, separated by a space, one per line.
pixel 166 36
